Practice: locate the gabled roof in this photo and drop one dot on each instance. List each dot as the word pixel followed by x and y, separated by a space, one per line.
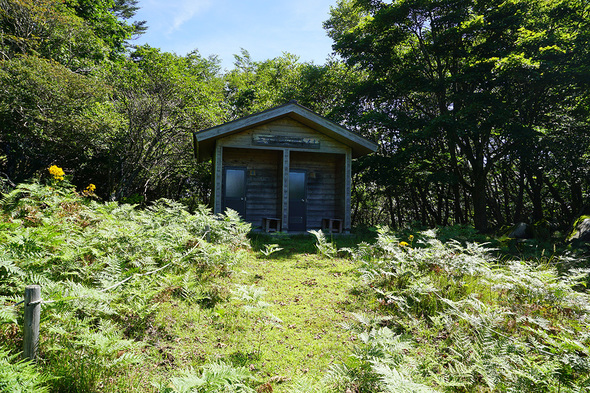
pixel 204 140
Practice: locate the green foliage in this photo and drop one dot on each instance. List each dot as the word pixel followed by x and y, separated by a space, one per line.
pixel 472 323
pixel 251 298
pixel 270 249
pixel 53 30
pixel 215 378
pixel 472 103
pixel 164 97
pixel 376 365
pixel 138 293
pixel 305 385
pixel 324 247
pixel 256 86
pixel 19 376
pixel 101 267
pixel 50 114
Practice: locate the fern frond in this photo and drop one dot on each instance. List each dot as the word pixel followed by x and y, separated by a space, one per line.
pixel 394 381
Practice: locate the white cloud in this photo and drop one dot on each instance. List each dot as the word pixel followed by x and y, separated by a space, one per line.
pixel 185 10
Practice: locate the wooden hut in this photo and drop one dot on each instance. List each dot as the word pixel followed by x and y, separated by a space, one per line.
pixel 286 168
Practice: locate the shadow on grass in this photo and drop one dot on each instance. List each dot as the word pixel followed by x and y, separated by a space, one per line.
pixel 537 251
pixel 293 244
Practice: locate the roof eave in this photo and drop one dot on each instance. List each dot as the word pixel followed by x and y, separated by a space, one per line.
pixel 204 140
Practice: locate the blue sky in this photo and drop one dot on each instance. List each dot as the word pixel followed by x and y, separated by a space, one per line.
pixel 265 28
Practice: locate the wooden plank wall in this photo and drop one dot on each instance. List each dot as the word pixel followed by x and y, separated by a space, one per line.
pixel 284 172
pixel 323 192
pixel 288 128
pixel 327 168
pixel 218 178
pixel 347 190
pixel 263 184
pixel 340 187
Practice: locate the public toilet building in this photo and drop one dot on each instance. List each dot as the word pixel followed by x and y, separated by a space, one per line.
pixel 284 169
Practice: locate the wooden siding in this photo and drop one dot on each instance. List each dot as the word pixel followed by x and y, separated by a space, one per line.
pixel 263 185
pixel 324 196
pixel 285 183
pixel 218 175
pixel 328 168
pixel 347 190
pixel 285 127
pixel 341 189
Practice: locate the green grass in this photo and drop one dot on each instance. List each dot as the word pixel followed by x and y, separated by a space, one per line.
pixel 308 294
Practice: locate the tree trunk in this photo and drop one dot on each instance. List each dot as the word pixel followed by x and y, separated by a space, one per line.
pixel 480 218
pixel 534 191
pixel 518 210
pixel 567 214
pixel 577 199
pixel 494 205
pixel 391 208
pixel 506 191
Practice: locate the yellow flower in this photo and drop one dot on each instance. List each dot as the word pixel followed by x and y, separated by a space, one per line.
pixel 89 190
pixel 411 237
pixel 56 172
pixel 403 244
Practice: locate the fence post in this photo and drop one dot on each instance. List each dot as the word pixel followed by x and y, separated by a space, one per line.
pixel 32 319
pixel 208 233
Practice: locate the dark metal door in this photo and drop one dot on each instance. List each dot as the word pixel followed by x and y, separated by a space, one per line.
pixel 234 190
pixel 297 201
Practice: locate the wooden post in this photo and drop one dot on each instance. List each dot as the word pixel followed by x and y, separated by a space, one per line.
pixel 218 176
pixel 347 190
pixel 32 319
pixel 285 188
pixel 208 233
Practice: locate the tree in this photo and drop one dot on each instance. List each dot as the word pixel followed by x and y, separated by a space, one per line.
pixel 49 114
pixel 253 86
pixel 77 34
pixel 126 9
pixel 164 98
pixel 107 19
pixel 471 79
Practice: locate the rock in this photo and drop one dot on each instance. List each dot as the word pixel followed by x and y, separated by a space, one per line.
pixel 581 230
pixel 521 230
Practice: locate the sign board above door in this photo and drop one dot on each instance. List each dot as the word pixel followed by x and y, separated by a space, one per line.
pixel 285 141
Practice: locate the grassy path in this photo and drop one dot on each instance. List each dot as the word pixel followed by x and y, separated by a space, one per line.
pixel 311 296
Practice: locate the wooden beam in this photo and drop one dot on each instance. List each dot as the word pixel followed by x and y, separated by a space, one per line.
pixel 323 150
pixel 218 170
pixel 285 193
pixel 347 189
pixel 32 320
